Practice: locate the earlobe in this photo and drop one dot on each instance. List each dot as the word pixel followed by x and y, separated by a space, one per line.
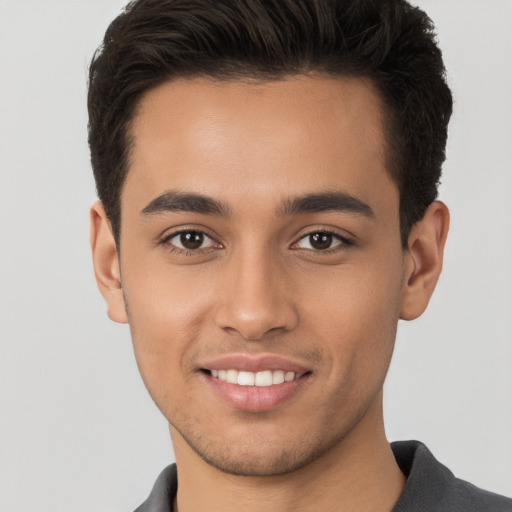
pixel 424 260
pixel 106 263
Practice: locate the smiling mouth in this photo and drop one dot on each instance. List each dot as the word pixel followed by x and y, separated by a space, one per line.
pixel 256 391
pixel 263 378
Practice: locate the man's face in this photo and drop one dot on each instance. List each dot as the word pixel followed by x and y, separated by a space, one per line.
pixel 260 234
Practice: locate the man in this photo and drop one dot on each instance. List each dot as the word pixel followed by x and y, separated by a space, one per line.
pixel 267 174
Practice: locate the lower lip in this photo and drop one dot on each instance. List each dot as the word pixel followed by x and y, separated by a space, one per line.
pixel 256 398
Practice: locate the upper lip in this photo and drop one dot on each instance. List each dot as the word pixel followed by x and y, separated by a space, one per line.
pixel 250 363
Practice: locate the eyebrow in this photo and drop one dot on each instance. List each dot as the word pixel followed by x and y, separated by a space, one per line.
pixel 174 200
pixel 330 201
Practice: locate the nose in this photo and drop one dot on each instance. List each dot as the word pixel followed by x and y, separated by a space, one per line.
pixel 257 300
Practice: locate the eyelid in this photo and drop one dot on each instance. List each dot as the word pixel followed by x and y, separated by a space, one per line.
pixel 168 235
pixel 345 240
pixel 185 228
pixel 176 235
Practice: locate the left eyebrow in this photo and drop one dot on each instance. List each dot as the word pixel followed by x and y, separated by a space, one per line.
pixel 331 201
pixel 175 200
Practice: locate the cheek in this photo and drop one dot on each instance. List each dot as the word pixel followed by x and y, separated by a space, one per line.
pixel 362 296
pixel 355 312
pixel 164 300
pixel 167 312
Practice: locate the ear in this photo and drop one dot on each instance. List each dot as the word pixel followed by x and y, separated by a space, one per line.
pixel 424 260
pixel 106 263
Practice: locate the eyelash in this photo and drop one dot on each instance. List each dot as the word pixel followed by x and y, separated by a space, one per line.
pixel 188 252
pixel 344 244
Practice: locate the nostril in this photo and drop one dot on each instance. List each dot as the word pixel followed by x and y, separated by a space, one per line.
pixel 252 318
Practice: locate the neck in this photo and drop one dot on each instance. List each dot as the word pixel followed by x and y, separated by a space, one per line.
pixel 359 474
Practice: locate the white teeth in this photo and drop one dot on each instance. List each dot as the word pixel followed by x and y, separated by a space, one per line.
pixel 232 376
pixel 263 378
pixel 288 376
pixel 246 378
pixel 278 377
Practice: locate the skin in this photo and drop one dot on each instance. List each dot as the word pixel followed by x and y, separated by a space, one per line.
pixel 257 286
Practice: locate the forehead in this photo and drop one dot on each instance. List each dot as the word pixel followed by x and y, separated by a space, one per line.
pixel 236 139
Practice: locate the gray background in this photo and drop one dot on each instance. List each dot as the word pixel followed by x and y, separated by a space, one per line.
pixel 77 429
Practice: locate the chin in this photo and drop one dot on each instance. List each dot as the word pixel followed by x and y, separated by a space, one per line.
pixel 260 458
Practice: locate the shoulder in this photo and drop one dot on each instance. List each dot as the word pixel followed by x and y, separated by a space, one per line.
pixel 432 487
pixel 162 495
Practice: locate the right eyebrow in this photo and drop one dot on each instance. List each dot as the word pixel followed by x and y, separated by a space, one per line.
pixel 175 200
pixel 329 201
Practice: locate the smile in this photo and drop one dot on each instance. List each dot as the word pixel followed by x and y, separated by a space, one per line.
pixel 259 391
pixel 255 383
pixel 261 378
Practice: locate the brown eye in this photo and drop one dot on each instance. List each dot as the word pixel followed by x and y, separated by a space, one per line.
pixel 319 241
pixel 190 241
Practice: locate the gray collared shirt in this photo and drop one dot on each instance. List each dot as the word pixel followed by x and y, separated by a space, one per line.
pixel 430 487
